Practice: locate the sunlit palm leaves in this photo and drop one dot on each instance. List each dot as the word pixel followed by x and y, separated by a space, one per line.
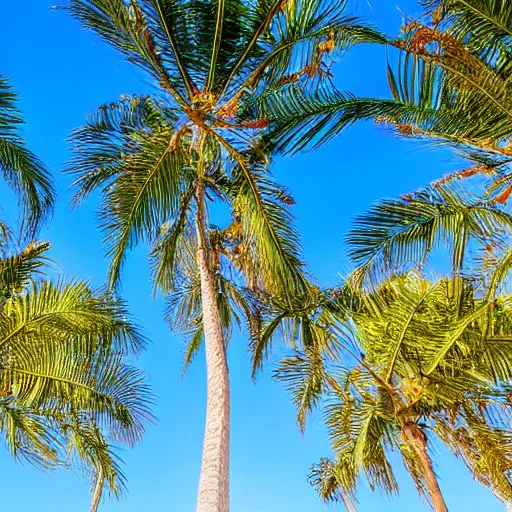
pixel 396 234
pixel 416 358
pixel 64 379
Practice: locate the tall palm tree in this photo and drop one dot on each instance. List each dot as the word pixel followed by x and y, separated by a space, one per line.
pixel 62 371
pixel 418 364
pixel 236 82
pixel 20 168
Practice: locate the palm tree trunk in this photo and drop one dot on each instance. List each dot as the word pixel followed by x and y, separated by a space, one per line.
pixel 348 504
pixel 213 493
pixel 418 442
pixel 98 492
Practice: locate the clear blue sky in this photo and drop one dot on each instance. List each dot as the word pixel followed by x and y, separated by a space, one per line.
pixel 61 73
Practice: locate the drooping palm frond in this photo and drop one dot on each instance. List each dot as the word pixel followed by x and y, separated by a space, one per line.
pixel 28 434
pixel 267 233
pixel 452 80
pixel 127 148
pixel 488 24
pixel 307 322
pixel 399 233
pixel 17 270
pixel 335 482
pixel 20 168
pixel 90 451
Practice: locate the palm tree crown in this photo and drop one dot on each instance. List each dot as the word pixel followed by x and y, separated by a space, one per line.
pixel 65 386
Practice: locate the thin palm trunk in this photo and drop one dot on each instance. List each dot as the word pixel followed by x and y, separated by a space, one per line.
pixel 418 442
pixel 98 492
pixel 213 495
pixel 348 504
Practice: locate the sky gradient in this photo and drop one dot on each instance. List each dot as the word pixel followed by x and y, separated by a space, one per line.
pixel 61 73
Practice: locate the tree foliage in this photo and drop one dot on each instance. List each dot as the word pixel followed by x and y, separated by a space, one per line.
pixel 66 388
pixel 20 168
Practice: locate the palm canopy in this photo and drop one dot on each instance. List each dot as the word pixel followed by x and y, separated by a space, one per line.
pixel 453 80
pixel 63 373
pixel 20 168
pixel 151 191
pixel 231 79
pixel 417 364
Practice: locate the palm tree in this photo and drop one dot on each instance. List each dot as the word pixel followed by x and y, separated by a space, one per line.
pixel 419 364
pixel 236 83
pixel 62 371
pixel 453 81
pixel 62 375
pixel 20 168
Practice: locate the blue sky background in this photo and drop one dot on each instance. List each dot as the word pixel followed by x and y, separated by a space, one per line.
pixel 61 73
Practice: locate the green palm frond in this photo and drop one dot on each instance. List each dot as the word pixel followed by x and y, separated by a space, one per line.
pixel 28 435
pixel 17 270
pixel 303 377
pixel 267 227
pixel 92 454
pixel 20 168
pixel 308 321
pixel 127 149
pixel 453 82
pixel 397 233
pixel 305 116
pixel 487 23
pixel 335 481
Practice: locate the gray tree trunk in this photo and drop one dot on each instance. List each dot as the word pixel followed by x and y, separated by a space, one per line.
pixel 97 493
pixel 213 493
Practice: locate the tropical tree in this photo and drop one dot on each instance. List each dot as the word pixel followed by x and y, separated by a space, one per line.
pixel 20 168
pixel 63 378
pixel 420 364
pixel 236 83
pixel 453 81
pixel 62 371
pixel 348 343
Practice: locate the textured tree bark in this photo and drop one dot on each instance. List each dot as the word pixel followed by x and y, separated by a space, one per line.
pixel 98 491
pixel 418 442
pixel 348 504
pixel 213 493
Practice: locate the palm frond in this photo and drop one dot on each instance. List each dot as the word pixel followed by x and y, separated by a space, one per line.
pixel 21 169
pixel 396 233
